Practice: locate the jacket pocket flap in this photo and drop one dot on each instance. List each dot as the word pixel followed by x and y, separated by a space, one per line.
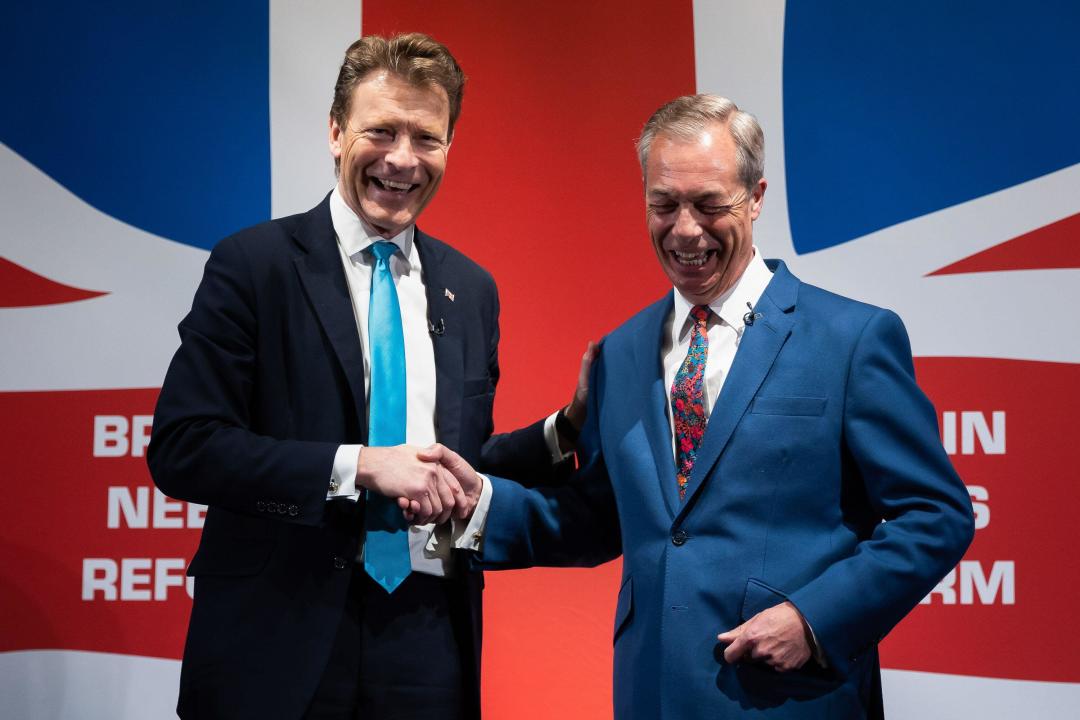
pixel 809 406
pixel 758 597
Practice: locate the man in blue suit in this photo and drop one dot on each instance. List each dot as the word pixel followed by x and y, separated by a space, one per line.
pixel 275 413
pixel 757 450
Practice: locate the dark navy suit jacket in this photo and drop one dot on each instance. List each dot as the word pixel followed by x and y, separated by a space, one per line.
pixel 267 383
pixel 820 480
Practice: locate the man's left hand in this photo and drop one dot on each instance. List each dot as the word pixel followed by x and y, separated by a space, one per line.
pixel 776 637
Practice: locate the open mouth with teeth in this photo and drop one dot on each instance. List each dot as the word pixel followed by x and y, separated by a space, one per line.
pixel 692 259
pixel 393 186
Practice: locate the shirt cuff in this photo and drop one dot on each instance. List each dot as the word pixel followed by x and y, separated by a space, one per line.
pixel 469 534
pixel 815 646
pixel 551 437
pixel 343 476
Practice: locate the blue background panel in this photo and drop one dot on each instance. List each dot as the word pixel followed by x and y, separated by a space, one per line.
pixel 157 114
pixel 896 110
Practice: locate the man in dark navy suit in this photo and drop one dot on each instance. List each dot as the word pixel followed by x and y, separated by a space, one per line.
pixel 321 351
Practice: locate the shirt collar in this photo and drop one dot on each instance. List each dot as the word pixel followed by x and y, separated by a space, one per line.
pixel 354 235
pixel 732 305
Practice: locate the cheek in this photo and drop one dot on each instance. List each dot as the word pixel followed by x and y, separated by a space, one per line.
pixel 435 170
pixel 657 232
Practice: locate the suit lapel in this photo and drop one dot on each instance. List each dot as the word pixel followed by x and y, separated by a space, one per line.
pixel 651 377
pixel 760 345
pixel 446 340
pixel 323 279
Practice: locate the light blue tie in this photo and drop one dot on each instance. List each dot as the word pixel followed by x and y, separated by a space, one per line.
pixel 386 552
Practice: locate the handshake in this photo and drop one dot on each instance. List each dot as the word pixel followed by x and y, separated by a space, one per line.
pixel 430 484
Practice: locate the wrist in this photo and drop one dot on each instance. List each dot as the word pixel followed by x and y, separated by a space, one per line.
pixel 364 474
pixel 566 428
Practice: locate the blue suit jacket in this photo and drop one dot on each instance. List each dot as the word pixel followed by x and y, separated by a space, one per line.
pixel 267 383
pixel 819 434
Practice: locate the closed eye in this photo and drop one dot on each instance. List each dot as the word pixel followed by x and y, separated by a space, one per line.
pixel 714 209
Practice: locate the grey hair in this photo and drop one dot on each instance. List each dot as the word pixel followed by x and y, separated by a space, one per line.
pixel 688 116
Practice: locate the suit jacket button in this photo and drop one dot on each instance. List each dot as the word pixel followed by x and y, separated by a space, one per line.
pixel 294 510
pixel 679 537
pixel 260 505
pixel 339 563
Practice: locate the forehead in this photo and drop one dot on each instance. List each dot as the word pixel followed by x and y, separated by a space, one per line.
pixel 705 161
pixel 387 96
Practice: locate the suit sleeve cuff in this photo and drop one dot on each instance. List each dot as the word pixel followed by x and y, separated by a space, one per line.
pixel 342 482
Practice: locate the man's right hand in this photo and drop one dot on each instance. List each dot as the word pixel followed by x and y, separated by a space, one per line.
pixel 426 491
pixel 461 471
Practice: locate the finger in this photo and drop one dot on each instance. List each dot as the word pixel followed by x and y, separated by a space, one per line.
pixel 737 650
pixel 465 504
pixel 730 635
pixel 427 513
pixel 462 504
pixel 446 495
pixel 406 508
pixel 583 371
pixel 436 503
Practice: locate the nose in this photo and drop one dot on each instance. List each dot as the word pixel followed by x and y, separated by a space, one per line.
pixel 402 155
pixel 686 225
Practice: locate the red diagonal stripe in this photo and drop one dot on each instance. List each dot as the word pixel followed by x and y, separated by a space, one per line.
pixel 1054 246
pixel 20 287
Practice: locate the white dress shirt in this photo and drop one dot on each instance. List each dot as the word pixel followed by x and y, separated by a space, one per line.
pixel 429 546
pixel 725 328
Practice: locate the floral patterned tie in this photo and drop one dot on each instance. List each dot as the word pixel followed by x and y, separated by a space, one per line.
pixel 688 401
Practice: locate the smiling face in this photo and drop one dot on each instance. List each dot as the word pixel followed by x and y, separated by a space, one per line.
pixel 392 150
pixel 699 212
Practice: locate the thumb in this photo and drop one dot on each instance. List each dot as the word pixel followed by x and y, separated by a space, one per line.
pixel 449 459
pixel 431 453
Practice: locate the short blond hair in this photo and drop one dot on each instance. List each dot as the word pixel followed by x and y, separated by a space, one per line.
pixel 416 58
pixel 687 116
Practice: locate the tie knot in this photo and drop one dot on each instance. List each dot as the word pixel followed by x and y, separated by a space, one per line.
pixel 382 250
pixel 700 313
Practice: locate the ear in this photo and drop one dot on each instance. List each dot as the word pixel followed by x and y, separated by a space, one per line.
pixel 757 198
pixel 335 138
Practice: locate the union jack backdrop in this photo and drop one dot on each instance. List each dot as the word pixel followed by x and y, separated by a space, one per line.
pixel 923 156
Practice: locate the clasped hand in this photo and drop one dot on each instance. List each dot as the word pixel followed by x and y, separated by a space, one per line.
pixel 431 484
